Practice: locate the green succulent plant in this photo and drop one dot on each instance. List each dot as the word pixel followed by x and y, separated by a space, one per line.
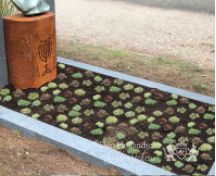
pixel 77 120
pixel 157 113
pixel 7 98
pixel 116 104
pixel 140 109
pixel 194 131
pixel 191 124
pixel 118 82
pixel 171 135
pixel 77 75
pixel 150 101
pixel 35 116
pixel 155 160
pixel 119 146
pixel 87 83
pixel 124 96
pixel 48 107
pixel 133 151
pixel 63 126
pixel 168 140
pixel 96 132
pixel 73 113
pixel 25 111
pixel 138 90
pixel 56 92
pixel 202 167
pixel 158 153
pixel 130 114
pixel 63 86
pixel 151 119
pixel 143 135
pixel 36 103
pixel 133 121
pixel 192 106
pixel 172 103
pixel 208 116
pixel 118 112
pixel 156 145
pixel 128 105
pixel 210 131
pixel 59 99
pixel 99 104
pixel 120 135
pixel 61 118
pixel 181 110
pixel 130 144
pixel 154 126
pixel 211 139
pixel 194 116
pixel 100 89
pixel 174 96
pixel 76 107
pixel 33 96
pixel 97 97
pixel 111 120
pixel 174 119
pixel 128 87
pixel 52 85
pixel 23 103
pixel 147 95
pixel 178 164
pixel 141 117
pixel 205 147
pixel 89 112
pixel 4 92
pixel 211 108
pixel 114 89
pixel 98 78
pixel 44 89
pixel 62 66
pixel 99 124
pixel 80 92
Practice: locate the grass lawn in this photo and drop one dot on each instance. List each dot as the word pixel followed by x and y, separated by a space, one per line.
pixel 161 69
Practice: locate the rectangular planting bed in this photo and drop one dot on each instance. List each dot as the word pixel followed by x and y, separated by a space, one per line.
pixel 160 126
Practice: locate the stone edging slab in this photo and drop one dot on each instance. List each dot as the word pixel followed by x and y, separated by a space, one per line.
pixel 84 148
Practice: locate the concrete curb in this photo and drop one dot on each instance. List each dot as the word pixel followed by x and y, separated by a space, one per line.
pixel 81 147
pixel 84 148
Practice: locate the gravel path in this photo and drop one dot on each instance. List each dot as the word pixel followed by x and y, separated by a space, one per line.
pixel 180 34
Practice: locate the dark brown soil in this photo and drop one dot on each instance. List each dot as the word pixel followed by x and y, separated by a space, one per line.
pixel 155 126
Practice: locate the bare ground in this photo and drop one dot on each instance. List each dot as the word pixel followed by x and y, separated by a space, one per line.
pixel 184 35
pixel 22 156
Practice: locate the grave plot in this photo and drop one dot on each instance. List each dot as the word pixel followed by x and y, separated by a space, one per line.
pixel 166 130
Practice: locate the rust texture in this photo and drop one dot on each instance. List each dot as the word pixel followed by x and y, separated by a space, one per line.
pixel 30 50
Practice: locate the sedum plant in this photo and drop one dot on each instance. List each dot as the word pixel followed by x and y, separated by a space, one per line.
pixel 61 118
pixel 62 66
pixel 111 120
pixel 140 109
pixel 133 151
pixel 88 112
pixel 172 103
pixel 99 104
pixel 99 89
pixel 130 114
pixel 80 92
pixel 118 112
pixel 133 121
pixel 4 92
pixel 208 116
pixel 36 103
pixel 205 147
pixel 128 87
pixel 25 111
pixel 114 89
pixel 63 126
pixel 155 160
pixel 120 135
pixel 154 126
pixel 77 75
pixel 141 117
pixel 7 98
pixel 44 88
pixel 150 101
pixel 116 104
pixel 156 145
pixel 63 86
pixel 52 85
pixel 147 95
pixel 96 132
pixel 128 105
pixel 174 119
pixel 98 78
pixel 87 83
pixel 73 113
pixel 33 96
pixel 56 92
pixel 99 124
pixel 77 120
pixel 23 103
pixel 76 107
pixel 157 113
pixel 138 90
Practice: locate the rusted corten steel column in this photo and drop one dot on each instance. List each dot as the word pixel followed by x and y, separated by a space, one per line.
pixel 30 49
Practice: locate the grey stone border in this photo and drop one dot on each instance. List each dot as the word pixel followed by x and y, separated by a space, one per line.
pixel 84 148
